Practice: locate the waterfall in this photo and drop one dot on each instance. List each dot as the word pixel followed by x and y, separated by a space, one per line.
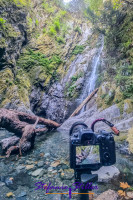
pixel 91 80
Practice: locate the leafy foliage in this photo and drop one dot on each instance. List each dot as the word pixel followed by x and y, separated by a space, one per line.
pixel 2 22
pixel 78 50
pixel 71 87
pixel 77 29
pixel 32 59
pixel 60 40
pixel 124 78
pixel 21 2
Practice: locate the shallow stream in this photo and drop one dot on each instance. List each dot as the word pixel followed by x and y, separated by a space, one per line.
pixel 48 163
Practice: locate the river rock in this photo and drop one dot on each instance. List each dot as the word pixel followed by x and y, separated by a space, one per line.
pixel 108 195
pixel 40 164
pixel 38 172
pixel 130 195
pixel 20 167
pixel 29 167
pixel 106 174
pixel 22 194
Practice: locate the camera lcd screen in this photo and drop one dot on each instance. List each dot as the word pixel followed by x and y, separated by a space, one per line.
pixel 87 155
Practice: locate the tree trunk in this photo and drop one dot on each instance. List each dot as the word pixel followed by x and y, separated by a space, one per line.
pixel 84 102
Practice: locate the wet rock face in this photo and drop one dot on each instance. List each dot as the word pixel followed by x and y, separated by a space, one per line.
pixel 52 105
pixel 13 36
pixel 17 37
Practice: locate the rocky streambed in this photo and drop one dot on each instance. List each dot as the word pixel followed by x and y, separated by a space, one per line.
pixel 48 163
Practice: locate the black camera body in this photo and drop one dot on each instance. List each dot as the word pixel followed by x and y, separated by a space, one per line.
pixel 82 137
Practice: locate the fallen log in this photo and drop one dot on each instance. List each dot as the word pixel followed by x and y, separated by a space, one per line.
pixel 15 121
pixel 84 102
pixel 22 125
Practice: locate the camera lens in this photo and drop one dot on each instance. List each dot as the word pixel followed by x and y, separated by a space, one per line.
pixel 106 156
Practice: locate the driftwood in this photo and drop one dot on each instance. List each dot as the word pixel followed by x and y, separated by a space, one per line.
pixel 84 102
pixel 22 125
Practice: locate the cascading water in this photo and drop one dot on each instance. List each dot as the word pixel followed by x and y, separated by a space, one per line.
pixel 90 86
pixel 91 80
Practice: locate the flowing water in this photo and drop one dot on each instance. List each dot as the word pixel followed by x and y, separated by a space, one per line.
pixel 91 80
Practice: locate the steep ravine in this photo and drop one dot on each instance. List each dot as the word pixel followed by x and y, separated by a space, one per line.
pixel 48 68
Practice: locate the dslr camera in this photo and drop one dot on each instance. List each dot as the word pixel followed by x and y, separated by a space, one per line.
pixel 89 150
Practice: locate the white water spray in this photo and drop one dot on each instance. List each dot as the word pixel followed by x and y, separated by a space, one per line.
pixel 91 82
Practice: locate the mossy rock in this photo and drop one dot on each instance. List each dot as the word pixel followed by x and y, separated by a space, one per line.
pixel 130 139
pixel 128 105
pixel 13 91
pixel 118 95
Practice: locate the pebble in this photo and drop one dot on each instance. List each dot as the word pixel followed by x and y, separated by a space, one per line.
pixel 9 194
pixel 2 184
pixel 37 172
pixel 54 172
pixel 22 194
pixel 28 167
pixel 55 163
pixel 50 169
pixel 40 164
pixel 8 182
pixel 47 155
pixel 20 167
pixel 21 198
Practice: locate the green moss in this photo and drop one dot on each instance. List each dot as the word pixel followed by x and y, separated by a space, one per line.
pixel 124 78
pixel 57 25
pixel 48 7
pixel 109 98
pixel 8 32
pixel 21 2
pixel 129 105
pixel 121 106
pixel 3 43
pixel 71 90
pixel 123 137
pixel 2 22
pixel 24 86
pixel 31 59
pixel 38 67
pixel 77 29
pixel 44 30
pixel 60 40
pixel 78 50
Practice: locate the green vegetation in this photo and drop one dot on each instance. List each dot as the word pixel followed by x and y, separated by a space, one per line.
pixel 114 20
pixel 78 50
pixel 77 29
pixel 18 3
pixel 56 23
pixel 2 22
pixel 109 97
pixel 60 40
pixel 94 5
pixel 22 2
pixel 124 78
pixel 47 7
pixel 71 87
pixel 31 59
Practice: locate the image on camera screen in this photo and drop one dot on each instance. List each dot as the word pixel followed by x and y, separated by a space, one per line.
pixel 87 155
